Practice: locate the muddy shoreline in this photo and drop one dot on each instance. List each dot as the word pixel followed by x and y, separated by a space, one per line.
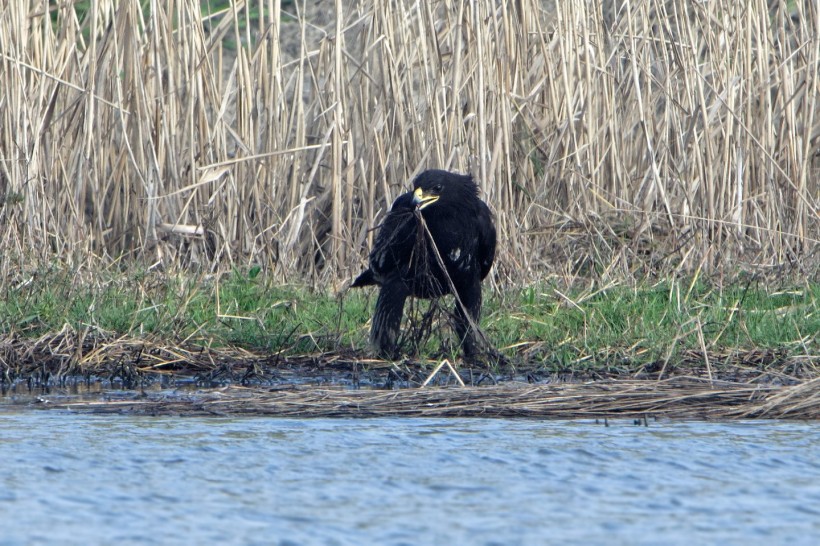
pixel 352 386
pixel 92 373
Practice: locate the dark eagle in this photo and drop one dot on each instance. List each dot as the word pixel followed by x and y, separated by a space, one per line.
pixel 407 259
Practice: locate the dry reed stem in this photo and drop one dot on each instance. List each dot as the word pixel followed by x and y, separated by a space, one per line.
pixel 643 135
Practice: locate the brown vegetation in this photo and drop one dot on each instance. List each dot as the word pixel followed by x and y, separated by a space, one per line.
pixel 683 399
pixel 70 358
pixel 664 134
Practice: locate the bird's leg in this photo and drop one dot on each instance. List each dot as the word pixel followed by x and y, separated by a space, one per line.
pixel 467 323
pixel 384 330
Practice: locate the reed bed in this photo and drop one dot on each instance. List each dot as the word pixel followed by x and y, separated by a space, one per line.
pixel 610 142
pixel 680 399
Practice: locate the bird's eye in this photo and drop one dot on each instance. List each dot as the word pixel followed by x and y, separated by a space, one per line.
pixel 437 188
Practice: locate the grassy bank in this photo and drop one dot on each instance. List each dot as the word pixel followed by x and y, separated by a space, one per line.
pixel 662 328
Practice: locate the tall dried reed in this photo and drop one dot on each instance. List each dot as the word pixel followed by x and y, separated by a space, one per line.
pixel 656 134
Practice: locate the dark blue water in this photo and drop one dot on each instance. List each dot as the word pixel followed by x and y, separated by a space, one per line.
pixel 80 479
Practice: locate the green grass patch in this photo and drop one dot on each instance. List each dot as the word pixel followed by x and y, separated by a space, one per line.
pixel 611 328
pixel 633 326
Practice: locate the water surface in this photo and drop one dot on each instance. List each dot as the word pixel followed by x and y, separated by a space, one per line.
pixel 85 479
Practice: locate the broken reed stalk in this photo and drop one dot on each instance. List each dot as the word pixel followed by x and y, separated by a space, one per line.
pixel 598 135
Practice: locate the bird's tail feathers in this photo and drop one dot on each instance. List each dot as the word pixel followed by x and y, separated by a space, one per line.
pixel 384 331
pixel 365 278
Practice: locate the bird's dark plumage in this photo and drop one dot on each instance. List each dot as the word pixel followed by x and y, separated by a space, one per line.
pixel 405 263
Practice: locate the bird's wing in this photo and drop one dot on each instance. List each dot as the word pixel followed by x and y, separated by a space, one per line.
pixel 486 240
pixel 396 239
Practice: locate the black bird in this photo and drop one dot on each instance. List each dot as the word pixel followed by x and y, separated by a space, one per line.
pixel 405 263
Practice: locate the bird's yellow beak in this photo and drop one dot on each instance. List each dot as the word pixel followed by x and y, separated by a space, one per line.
pixel 421 200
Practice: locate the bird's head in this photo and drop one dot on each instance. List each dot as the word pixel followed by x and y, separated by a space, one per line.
pixel 442 187
pixel 424 197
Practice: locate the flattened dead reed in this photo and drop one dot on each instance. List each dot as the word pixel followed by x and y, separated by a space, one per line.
pixel 646 134
pixel 681 399
pixel 69 356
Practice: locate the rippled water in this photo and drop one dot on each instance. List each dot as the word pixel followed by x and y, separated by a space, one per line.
pixel 86 479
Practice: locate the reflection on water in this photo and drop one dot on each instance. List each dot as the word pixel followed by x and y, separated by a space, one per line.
pixel 86 479
pixel 24 393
